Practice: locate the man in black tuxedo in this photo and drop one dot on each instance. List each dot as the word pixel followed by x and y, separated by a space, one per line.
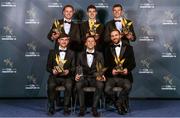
pixel 120 23
pixel 66 25
pixel 60 75
pixel 119 71
pixel 93 27
pixel 88 60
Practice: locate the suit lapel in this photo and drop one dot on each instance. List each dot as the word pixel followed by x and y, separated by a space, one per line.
pixel 84 58
pixel 123 49
pixel 66 55
pixel 113 24
pixel 112 49
pixel 87 26
pixel 71 27
pixel 94 59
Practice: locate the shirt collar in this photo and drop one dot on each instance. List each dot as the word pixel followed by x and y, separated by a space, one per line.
pixel 89 51
pixel 120 43
pixel 67 20
pixel 120 18
pixel 60 48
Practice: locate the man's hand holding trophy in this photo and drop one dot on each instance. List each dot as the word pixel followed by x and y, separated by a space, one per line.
pixel 59 69
pixel 119 66
pixel 126 29
pixel 56 31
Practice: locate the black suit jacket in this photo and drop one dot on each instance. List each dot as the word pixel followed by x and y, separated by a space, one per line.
pixel 82 61
pixel 127 54
pixel 111 25
pixel 74 34
pixel 70 63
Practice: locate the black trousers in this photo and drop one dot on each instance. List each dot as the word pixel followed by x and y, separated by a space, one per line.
pixel 53 82
pixel 126 86
pixel 92 82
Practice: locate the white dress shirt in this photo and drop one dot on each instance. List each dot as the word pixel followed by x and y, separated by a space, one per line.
pixel 118 49
pixel 90 58
pixel 67 26
pixel 119 24
pixel 62 54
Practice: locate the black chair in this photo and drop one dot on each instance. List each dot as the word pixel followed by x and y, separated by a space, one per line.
pixel 87 89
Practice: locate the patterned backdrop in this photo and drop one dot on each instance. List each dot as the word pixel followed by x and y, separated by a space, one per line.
pixel 24 25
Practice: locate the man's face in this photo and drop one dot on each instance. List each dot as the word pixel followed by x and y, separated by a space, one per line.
pixel 68 13
pixel 115 37
pixel 63 42
pixel 90 43
pixel 91 13
pixel 117 12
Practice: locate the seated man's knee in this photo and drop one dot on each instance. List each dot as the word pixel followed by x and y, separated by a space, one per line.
pixel 100 85
pixel 128 86
pixel 78 85
pixel 107 89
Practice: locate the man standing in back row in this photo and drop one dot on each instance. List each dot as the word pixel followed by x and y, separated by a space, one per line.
pixel 124 25
pixel 67 26
pixel 93 27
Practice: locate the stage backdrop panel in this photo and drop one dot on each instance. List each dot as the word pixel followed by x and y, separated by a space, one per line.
pixel 24 47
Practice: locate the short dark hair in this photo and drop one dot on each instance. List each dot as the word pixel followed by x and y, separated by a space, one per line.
pixel 62 35
pixel 68 6
pixel 117 5
pixel 91 7
pixel 89 36
pixel 115 29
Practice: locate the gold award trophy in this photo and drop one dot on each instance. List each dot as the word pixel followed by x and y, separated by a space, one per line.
pixel 58 27
pixel 60 64
pixel 119 63
pixel 92 28
pixel 126 26
pixel 100 71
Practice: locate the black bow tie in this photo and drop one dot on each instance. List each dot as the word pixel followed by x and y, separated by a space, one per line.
pixel 89 53
pixel 67 22
pixel 117 20
pixel 117 45
pixel 62 50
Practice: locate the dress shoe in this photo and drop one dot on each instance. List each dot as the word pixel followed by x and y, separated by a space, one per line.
pixel 66 111
pixel 95 113
pixel 121 111
pixel 51 111
pixel 82 112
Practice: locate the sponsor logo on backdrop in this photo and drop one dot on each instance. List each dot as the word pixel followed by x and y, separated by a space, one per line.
pixel 102 4
pixel 168 83
pixel 8 33
pixel 146 33
pixel 32 50
pixel 55 3
pixel 146 4
pixel 8 3
pixel 32 82
pixel 145 66
pixel 169 18
pixel 168 50
pixel 9 66
pixel 31 17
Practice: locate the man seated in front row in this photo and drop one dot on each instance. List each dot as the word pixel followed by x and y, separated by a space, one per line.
pixel 61 66
pixel 119 58
pixel 88 60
